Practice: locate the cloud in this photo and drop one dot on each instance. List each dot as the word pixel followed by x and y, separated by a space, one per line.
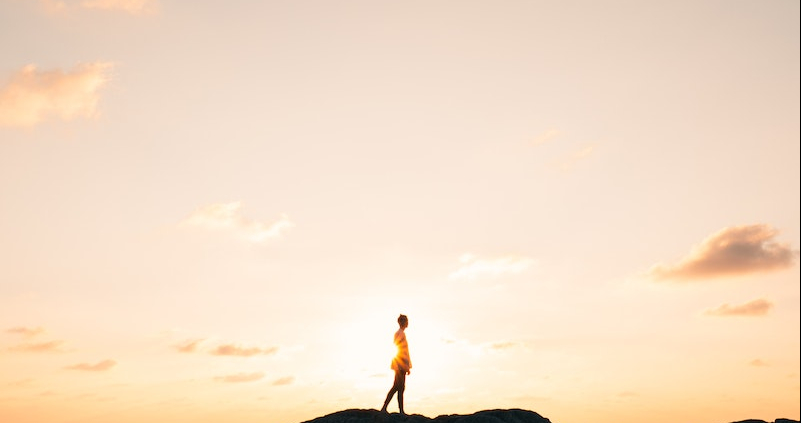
pixel 236 350
pixel 283 381
pixel 240 377
pixel 628 394
pixel 134 7
pixel 32 96
pixel 53 6
pixel 758 363
pixel 502 346
pixel 735 250
pixel 570 161
pixel 42 347
pixel 547 136
pixel 754 308
pixel 101 366
pixel 472 267
pixel 22 383
pixel 26 332
pixel 228 217
pixel 188 346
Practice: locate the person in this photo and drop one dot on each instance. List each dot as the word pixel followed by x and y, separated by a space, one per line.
pixel 401 364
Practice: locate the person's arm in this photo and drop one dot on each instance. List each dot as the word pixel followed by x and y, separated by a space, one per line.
pixel 409 356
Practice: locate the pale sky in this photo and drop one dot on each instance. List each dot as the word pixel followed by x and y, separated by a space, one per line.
pixel 215 211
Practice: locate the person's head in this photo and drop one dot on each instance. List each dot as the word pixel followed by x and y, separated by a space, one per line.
pixel 403 321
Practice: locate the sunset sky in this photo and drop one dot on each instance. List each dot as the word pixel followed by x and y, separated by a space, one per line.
pixel 214 211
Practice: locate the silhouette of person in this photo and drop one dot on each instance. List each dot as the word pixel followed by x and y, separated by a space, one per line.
pixel 401 364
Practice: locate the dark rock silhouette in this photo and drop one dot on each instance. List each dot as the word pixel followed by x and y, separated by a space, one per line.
pixel 486 416
pixel 762 421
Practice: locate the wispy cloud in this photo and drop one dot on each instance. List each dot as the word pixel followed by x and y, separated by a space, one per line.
pixel 188 346
pixel 41 347
pixel 240 377
pixel 32 96
pixel 472 267
pixel 735 250
pixel 628 394
pixel 547 136
pixel 134 7
pixel 758 363
pixel 53 6
pixel 101 366
pixel 754 308
pixel 283 381
pixel 25 331
pixel 482 348
pixel 504 345
pixel 22 383
pixel 570 161
pixel 239 351
pixel 228 217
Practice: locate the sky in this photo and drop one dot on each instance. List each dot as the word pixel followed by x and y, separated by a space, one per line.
pixel 215 211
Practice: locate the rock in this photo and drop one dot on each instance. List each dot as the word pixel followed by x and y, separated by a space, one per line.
pixel 762 421
pixel 486 416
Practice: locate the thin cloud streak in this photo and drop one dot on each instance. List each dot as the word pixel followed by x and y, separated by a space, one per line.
pixel 134 7
pixel 101 366
pixel 569 162
pixel 547 136
pixel 236 350
pixel 472 267
pixel 755 308
pixel 53 6
pixel 25 331
pixel 240 377
pixel 228 217
pixel 735 250
pixel 501 346
pixel 32 96
pixel 41 347
pixel 189 346
pixel 283 381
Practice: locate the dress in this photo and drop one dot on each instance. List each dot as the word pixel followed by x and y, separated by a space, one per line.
pixel 402 362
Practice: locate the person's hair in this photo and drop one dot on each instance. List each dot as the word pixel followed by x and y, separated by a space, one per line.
pixel 403 320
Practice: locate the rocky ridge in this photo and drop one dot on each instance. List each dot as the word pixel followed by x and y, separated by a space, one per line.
pixel 486 416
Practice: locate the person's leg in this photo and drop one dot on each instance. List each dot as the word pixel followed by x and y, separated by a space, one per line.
pixel 392 390
pixel 401 388
pixel 389 397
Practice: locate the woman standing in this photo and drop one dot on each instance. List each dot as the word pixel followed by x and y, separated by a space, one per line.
pixel 401 364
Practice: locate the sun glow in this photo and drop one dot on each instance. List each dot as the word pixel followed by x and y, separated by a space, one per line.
pixel 367 350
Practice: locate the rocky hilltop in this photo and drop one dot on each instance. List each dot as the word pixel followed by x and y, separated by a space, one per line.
pixel 486 416
pixel 762 421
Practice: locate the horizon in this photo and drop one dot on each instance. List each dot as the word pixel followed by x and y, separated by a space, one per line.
pixel 216 211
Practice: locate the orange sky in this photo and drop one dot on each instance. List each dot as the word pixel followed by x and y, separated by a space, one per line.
pixel 215 211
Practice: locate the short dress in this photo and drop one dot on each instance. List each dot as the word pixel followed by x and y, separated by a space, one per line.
pixel 402 362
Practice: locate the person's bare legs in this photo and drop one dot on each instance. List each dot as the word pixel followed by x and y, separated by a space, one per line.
pixel 389 397
pixel 397 386
pixel 401 388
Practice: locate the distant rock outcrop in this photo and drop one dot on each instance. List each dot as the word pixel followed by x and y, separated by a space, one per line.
pixel 762 421
pixel 486 416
